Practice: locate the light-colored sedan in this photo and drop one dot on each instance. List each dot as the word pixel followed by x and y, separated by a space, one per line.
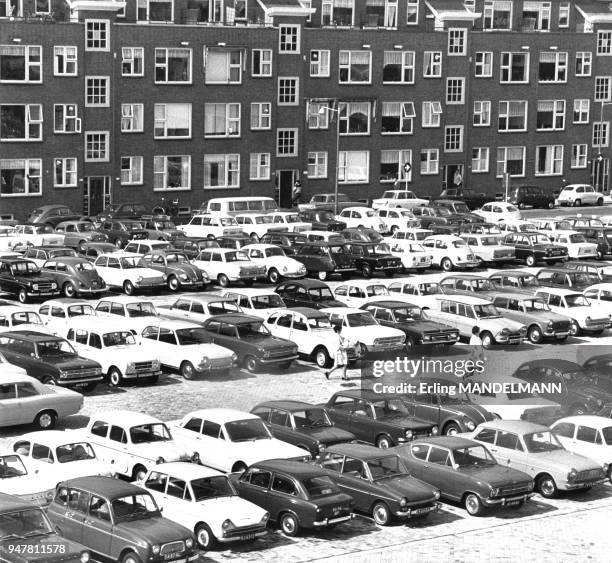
pixel 128 312
pixel 123 271
pixel 360 217
pixel 259 302
pixel 278 265
pixel 357 293
pixel 580 194
pixel 600 297
pixel 489 248
pixel 13 317
pixel 291 220
pixel 256 225
pixel 499 211
pixel 18 478
pixel 576 244
pixel 398 198
pixel 56 313
pixel 199 307
pixel 226 265
pixel 398 219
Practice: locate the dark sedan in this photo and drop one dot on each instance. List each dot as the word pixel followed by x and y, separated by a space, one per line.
pixel 535 247
pixel 515 280
pixel 325 259
pixel 599 369
pixel 23 278
pixel 289 242
pixel 120 233
pixel 307 293
pixel 361 235
pixel 372 258
pixel 322 220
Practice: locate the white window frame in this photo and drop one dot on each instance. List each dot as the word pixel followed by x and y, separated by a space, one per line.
pixel 343 165
pixel 430 114
pixel 507 67
pixel 543 22
pixel 294 131
pixel 159 121
pixel 67 108
pixel 28 165
pixel 130 114
pixel 29 52
pixel 232 122
pixel 579 155
pixel 584 63
pixel 128 178
pixel 430 162
pixel 564 14
pixel 455 90
pixel 259 170
pixel 412 12
pixel 96 38
pixel 263 67
pixel 405 115
pixel 129 55
pixel 69 177
pixel 29 120
pixel 327 12
pixel 504 161
pixel 482 113
pixel 603 89
pixel 318 115
pixel 558 112
pixel 556 160
pixel 89 84
pixel 288 48
pixel 432 64
pixel 237 66
pixel 321 65
pixel 164 173
pixel 561 66
pixel 457 41
pixel 164 65
pixel 147 18
pixel 347 66
pixel 448 131
pixel 317 165
pixel 505 113
pixel 404 156
pixel 229 171
pixel 261 116
pixel 604 43
pixel 601 134
pixel 344 118
pixel 282 81
pixel 406 66
pixel 483 68
pixel 480 160
pixel 488 15
pixel 581 114
pixel 70 57
pixel 106 156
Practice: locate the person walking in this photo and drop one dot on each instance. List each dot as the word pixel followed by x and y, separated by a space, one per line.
pixel 296 193
pixel 341 356
pixel 476 347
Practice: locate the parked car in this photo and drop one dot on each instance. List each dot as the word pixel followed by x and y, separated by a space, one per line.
pixel 580 194
pixel 121 521
pixel 296 495
pixel 432 217
pixel 330 237
pixel 211 226
pixel 307 293
pixel 278 266
pixel 326 259
pixel 257 224
pixel 127 312
pixel 422 290
pixel 534 196
pixel 602 271
pixel 257 302
pixel 600 297
pixel 570 279
pixel 291 220
pixel 534 449
pixel 535 247
pixel 56 314
pixel 465 471
pixel 577 245
pixel 450 252
pixel 458 208
pixel 372 258
pixel 356 293
pixel 468 284
pixel 23 278
pixel 601 236
pixel 226 266
pixel 199 307
pixel 363 235
pixel 145 246
pixel 179 271
pixel 288 242
pixel 50 359
pixel 120 233
pixel 19 479
pixel 40 254
pixel 124 271
pixel 160 227
pixel 231 440
pixel 16 317
pixel 191 247
pixel 322 220
pixel 472 199
pixel 413 255
pixel 52 214
pixel 398 198
pixel 513 281
pixel 91 250
pixel 497 211
pixel 489 249
pixel 599 369
pixel 327 202
pixel 25 400
pixel 76 233
pixel 235 241
pixel 35 235
pixel 74 275
pixel 521 226
pixel 128 210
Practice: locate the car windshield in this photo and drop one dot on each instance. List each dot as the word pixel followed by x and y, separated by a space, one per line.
pixel 292 218
pixel 133 226
pixel 11 466
pixel 320 294
pixel 119 338
pixel 487 311
pixel 261 219
pixel 134 507
pixel 212 487
pixel 77 310
pixel 473 456
pixel 256 329
pixel 459 243
pixel 165 225
pixel 416 248
pixel 144 309
pixel 236 257
pixel 386 466
pixel 577 237
pixel 62 252
pixel 442 211
pixel 130 262
pixel 84 267
pixel 489 241
pixel 54 348
pixel 152 432
pixel 406 314
pixel 274 252
pixel 524 281
pixel 545 441
pixel 311 418
pixel 360 319
pixel 539 239
pixel 41 229
pixel 374 290
pixel 266 301
pixel 320 486
pixel 175 258
pixel 461 208
pixel 382 248
pixel 20 268
pixel 339 249
pixel 79 451
pixel 22 524
pixel 247 430
pixel 192 336
pixel 326 215
pixel 576 300
pixel 535 305
pixel 319 323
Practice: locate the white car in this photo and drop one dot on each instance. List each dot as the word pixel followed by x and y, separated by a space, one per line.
pixel 8 239
pixel 587 435
pixel 576 244
pixel 421 290
pixel 398 219
pixel 359 292
pixel 584 318
pixel 360 217
pixel 361 327
pixel 580 194
pixel 489 248
pixel 18 478
pixel 408 236
pixel 330 237
pixel 258 302
pixel 40 255
pixel 398 198
pixel 127 312
pixel 205 502
pixel 278 265
pixel 123 271
pixel 199 307
pixel 226 265
pixel 211 226
pixel 144 246
pixel 291 220
pixel 256 225
pixel 521 226
pixel 498 211
pixel 549 225
pixel 450 252
pixel 13 317
pixel 115 349
pixel 187 347
pixel 133 442
pixel 600 297
pixel 231 440
pixel 61 453
pixel 36 235
pixel 412 254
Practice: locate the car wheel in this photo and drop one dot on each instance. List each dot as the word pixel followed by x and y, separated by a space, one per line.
pixel 204 536
pixel 187 370
pixel 521 205
pixel 550 205
pixel 322 357
pixel 239 467
pixel 409 344
pixel 546 486
pixel 446 264
pixel 128 287
pixel 381 514
pixel 173 283
pixel 451 429
pixel 49 380
pixel 600 255
pixel 250 363
pixel 139 472
pixel 383 441
pixel 394 228
pixel 535 334
pixel 574 328
pixel 254 237
pixel 131 557
pixel 22 296
pixel 530 260
pixel 487 340
pixel 118 243
pixel 274 276
pixel 600 201
pixel 289 524
pixel 577 203
pixel 366 271
pixel 69 290
pixel 115 379
pixel 323 275
pixel 223 280
pixel 473 504
pixel 45 420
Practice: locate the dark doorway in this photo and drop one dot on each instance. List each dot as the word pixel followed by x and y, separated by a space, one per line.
pixel 285 179
pixel 97 194
pixel 453 176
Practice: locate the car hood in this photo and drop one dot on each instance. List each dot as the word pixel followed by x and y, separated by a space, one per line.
pixel 66 361
pixel 545 247
pixel 269 342
pixel 191 270
pixel 407 486
pixel 259 450
pixel 285 262
pixel 155 530
pixel 564 460
pixel 327 434
pixel 33 278
pixel 370 333
pixel 406 422
pixel 496 475
pixel 548 316
pixel 426 326
pixel 240 511
pixel 330 303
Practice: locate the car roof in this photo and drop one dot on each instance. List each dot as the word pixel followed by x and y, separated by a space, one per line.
pixel 466 299
pixel 52 437
pixel 65 301
pixel 519 426
pixel 465 277
pixel 107 487
pixel 205 297
pixel 10 309
pixel 389 303
pixel 512 273
pixel 287 404
pixel 558 290
pixel 125 299
pixel 260 245
pixel 588 419
pixel 187 471
pixel 450 442
pixel 358 208
pixel 307 312
pixel 604 285
pixel 342 310
pixel 68 259
pixel 519 295
pixel 124 417
pixel 235 318
pixel 249 291
pixel 172 324
pixel 297 469
pixel 220 415
pixel 307 283
pixel 10 376
pixel 363 283
pixel 101 324
pixel 32 335
pixel 361 451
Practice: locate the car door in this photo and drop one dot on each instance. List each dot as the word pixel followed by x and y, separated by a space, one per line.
pixel 254 486
pixel 566 433
pixel 10 406
pixel 586 441
pixel 76 504
pixel 439 471
pixel 509 450
pixel 280 425
pixel 362 421
pixel 168 348
pixel 29 403
pixel 352 477
pixel 98 526
pixel 426 407
pixel 341 409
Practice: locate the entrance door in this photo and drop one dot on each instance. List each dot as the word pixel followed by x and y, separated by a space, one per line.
pixel 600 174
pixel 97 194
pixel 453 176
pixel 285 180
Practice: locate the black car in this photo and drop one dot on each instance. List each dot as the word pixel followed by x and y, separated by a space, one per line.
pixel 535 196
pixel 289 242
pixel 371 258
pixel 23 278
pixel 52 215
pixel 191 247
pixel 419 330
pixel 301 424
pixel 599 369
pixel 307 293
pixel 129 210
pixel 234 241
pixel 474 200
pixel 325 259
pixel 458 209
pixel 91 250
pixel 535 247
pixel 361 235
pixel 575 279
pixel 120 233
pixel 322 220
pixel 431 217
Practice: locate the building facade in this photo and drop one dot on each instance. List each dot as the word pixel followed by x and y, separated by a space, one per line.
pixel 106 100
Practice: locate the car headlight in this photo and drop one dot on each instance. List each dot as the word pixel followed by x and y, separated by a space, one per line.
pixel 495 492
pixel 403 502
pixel 469 424
pixel 139 279
pixel 435 430
pixel 426 337
pixel 588 319
pixel 227 524
pixel 85 557
pixel 164 277
pixel 155 365
pixel 523 330
pixel 189 543
pixel 265 518
pixel 53 286
pixel 159 460
pixel 572 474
pixel 605 467
pixel 183 276
pixel 35 287
pixel 408 434
pixel 203 362
pixel 234 358
pixel 437 495
pixel 130 368
pixel 285 269
pixel 549 327
pixel 155 549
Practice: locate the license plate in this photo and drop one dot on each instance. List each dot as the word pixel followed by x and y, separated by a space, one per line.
pixel 46 293
pixel 246 537
pixel 421 511
pixel 513 503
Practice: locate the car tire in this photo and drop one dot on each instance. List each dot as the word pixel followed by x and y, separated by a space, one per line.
pixel 577 203
pixel 473 504
pixel 273 276
pixel 188 371
pixel 409 344
pixel 394 228
pixel 254 237
pixel 130 557
pixel 22 296
pixel 574 328
pixel 173 283
pixel 381 514
pixel 128 287
pixel 521 205
pixel 384 442
pixel 535 334
pixel 322 357
pixel 323 275
pixel 600 255
pixel 139 472
pixel 223 280
pixel 530 260
pixel 366 271
pixel 204 536
pixel 115 377
pixel 600 201
pixel 451 429
pixel 69 290
pixel 446 264
pixel 289 524
pixel 546 486
pixel 487 340
pixel 49 380
pixel 45 420
pixel 251 365
pixel 239 467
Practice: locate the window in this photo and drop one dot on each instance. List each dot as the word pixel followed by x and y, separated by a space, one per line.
pixel 221 171
pixel 581 111
pixel 457 39
pixel 431 114
pixel 603 88
pixel 397 118
pixel 432 64
pixel 240 10
pixel 21 122
pixel 497 15
pixel 601 133
pixel 512 116
pixel 223 66
pixel 20 177
pixel 65 118
pixel 482 113
pixel 261 116
pixel 289 39
pixel 131 170
pixel 354 118
pixel 353 167
pixel 20 63
pixel 398 66
pixel 536 16
pixel 480 159
pixel 552 67
pixel 132 61
pixel 259 166
pixel 65 61
pixel 172 66
pixel 172 121
pixel 97 35
pixel 317 164
pixel 455 88
pixel 381 13
pixel 564 14
pixel 584 63
pixel 318 115
pixel 604 42
pixel 549 160
pixel 172 172
pixel 514 68
pixel 510 160
pixel 222 120
pixel 453 138
pixel 96 91
pixel 483 64
pixel 338 12
pixel 286 142
pixel 392 165
pixel 579 156
pixel 155 10
pixel 319 63
pixel 430 159
pixel 261 63
pixel 65 173
pixel 96 146
pixel 42 6
pixel 355 67
pixel 412 12
pixel 288 91
pixel 551 115
pixel 132 118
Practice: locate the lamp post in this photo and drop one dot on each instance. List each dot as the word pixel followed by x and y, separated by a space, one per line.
pixel 322 110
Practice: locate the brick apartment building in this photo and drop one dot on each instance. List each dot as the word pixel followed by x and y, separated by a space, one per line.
pixel 138 100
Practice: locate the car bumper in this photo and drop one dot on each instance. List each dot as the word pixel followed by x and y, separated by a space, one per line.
pixel 513 340
pixel 268 361
pixel 246 534
pixel 149 283
pixel 595 327
pixel 467 263
pixel 215 370
pixel 417 512
pixel 142 375
pixel 79 381
pixel 43 293
pixel 582 484
pixel 506 501
pixel 332 521
pixel 376 348
pixel 163 559
pixel 91 290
